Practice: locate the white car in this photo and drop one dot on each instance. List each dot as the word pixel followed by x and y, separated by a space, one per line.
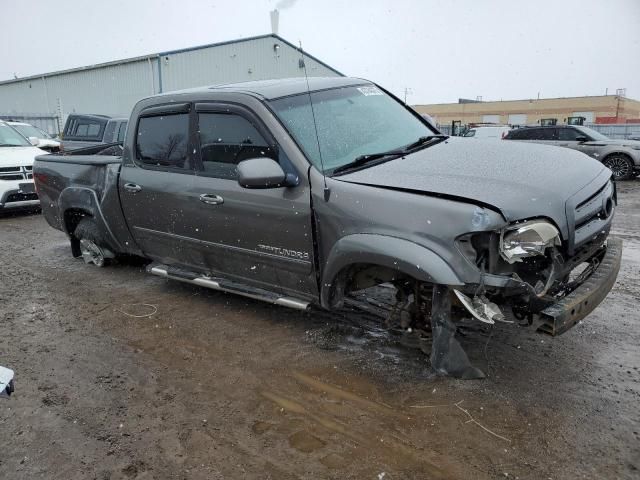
pixel 16 164
pixel 36 136
pixel 489 131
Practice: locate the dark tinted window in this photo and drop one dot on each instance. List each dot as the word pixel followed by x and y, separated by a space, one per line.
pixel 569 134
pixel 163 141
pixel 546 134
pixel 225 140
pixel 520 134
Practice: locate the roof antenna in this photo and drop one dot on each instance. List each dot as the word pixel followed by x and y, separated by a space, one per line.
pixel 327 191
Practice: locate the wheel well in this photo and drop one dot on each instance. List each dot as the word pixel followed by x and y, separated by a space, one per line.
pixel 620 154
pixel 72 218
pixel 359 276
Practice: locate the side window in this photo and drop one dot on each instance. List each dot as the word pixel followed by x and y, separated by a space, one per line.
pixel 225 140
pixel 542 134
pixel 121 132
pixel 569 134
pixel 162 141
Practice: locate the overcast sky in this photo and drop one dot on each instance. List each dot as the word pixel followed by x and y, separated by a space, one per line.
pixel 441 50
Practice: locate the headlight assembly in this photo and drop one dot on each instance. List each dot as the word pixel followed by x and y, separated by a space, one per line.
pixel 527 240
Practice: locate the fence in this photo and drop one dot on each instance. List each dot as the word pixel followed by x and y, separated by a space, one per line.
pixel 625 131
pixel 50 124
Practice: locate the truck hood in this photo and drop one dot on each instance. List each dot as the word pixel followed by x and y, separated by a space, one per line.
pixel 18 156
pixel 520 180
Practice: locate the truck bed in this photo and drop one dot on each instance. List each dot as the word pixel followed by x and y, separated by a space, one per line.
pixel 83 180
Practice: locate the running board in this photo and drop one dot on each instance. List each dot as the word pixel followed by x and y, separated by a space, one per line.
pixel 225 286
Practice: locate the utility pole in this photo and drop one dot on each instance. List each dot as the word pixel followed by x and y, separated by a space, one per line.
pixel 407 91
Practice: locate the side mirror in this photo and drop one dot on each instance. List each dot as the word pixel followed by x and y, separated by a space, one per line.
pixel 582 138
pixel 262 172
pixel 35 141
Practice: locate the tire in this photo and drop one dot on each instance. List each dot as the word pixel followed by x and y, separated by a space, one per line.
pixel 93 248
pixel 620 165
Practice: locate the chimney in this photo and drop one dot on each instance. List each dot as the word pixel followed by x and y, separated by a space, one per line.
pixel 275 16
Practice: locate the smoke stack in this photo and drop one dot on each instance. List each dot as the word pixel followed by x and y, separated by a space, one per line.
pixel 275 16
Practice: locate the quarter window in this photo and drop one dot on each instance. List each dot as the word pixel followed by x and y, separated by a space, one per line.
pixel 162 141
pixel 226 139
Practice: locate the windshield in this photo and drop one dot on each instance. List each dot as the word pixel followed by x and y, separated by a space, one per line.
pixel 10 138
pixel 351 122
pixel 593 133
pixel 470 133
pixel 30 131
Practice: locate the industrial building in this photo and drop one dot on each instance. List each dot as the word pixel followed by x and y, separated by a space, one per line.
pixel 606 109
pixel 113 88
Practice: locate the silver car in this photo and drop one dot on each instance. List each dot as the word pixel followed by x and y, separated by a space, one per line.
pixel 621 156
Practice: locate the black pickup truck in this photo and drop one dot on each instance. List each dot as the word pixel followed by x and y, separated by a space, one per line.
pixel 301 194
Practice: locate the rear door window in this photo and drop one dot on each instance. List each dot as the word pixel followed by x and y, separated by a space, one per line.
pixel 569 134
pixel 162 141
pixel 226 139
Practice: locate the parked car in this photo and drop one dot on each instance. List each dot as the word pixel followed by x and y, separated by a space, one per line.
pixel 621 156
pixel 16 176
pixel 88 130
pixel 36 136
pixel 231 188
pixel 489 131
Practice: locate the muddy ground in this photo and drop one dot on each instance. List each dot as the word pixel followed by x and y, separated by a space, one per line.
pixel 216 386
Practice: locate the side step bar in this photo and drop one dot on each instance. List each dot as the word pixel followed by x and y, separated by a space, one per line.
pixel 225 286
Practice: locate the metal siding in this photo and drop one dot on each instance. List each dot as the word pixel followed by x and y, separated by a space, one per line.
pixel 255 60
pixel 113 89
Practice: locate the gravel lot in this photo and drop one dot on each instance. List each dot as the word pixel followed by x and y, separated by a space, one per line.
pixel 217 386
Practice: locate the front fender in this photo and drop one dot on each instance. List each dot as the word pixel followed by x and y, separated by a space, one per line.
pixel 407 257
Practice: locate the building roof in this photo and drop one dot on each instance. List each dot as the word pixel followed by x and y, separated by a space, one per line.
pixel 170 52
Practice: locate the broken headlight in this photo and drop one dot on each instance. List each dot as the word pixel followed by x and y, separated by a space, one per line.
pixel 527 240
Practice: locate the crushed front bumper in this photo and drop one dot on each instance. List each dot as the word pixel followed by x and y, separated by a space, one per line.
pixel 564 314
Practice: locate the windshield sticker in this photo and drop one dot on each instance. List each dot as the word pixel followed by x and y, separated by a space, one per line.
pixel 367 91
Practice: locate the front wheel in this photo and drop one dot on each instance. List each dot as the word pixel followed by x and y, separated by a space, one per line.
pixel 620 165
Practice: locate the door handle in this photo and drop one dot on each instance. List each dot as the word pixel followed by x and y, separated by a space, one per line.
pixel 211 199
pixel 132 187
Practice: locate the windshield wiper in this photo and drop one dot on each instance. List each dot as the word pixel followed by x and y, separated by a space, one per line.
pixel 10 145
pixel 370 157
pixel 389 155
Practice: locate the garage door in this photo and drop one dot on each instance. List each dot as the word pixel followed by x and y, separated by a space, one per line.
pixel 518 119
pixel 491 119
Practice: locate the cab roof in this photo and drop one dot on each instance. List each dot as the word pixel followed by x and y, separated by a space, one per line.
pixel 281 87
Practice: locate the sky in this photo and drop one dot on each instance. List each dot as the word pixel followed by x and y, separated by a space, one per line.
pixel 438 50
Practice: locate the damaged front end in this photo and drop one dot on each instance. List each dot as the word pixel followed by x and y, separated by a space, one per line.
pixel 527 268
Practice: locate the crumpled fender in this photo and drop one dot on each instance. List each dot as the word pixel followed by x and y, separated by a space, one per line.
pixel 408 257
pixel 80 198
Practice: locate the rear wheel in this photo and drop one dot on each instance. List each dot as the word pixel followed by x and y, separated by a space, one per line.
pixel 620 165
pixel 92 246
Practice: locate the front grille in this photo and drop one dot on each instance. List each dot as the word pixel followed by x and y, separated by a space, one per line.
pixel 16 173
pixel 592 216
pixel 21 197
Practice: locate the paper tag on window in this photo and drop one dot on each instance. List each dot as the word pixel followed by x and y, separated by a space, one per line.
pixel 366 91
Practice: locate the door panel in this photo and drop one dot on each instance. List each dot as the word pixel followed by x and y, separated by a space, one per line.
pixel 261 236
pixel 155 191
pixel 257 236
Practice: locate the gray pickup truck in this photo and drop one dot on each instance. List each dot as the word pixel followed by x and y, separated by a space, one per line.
pixel 302 194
